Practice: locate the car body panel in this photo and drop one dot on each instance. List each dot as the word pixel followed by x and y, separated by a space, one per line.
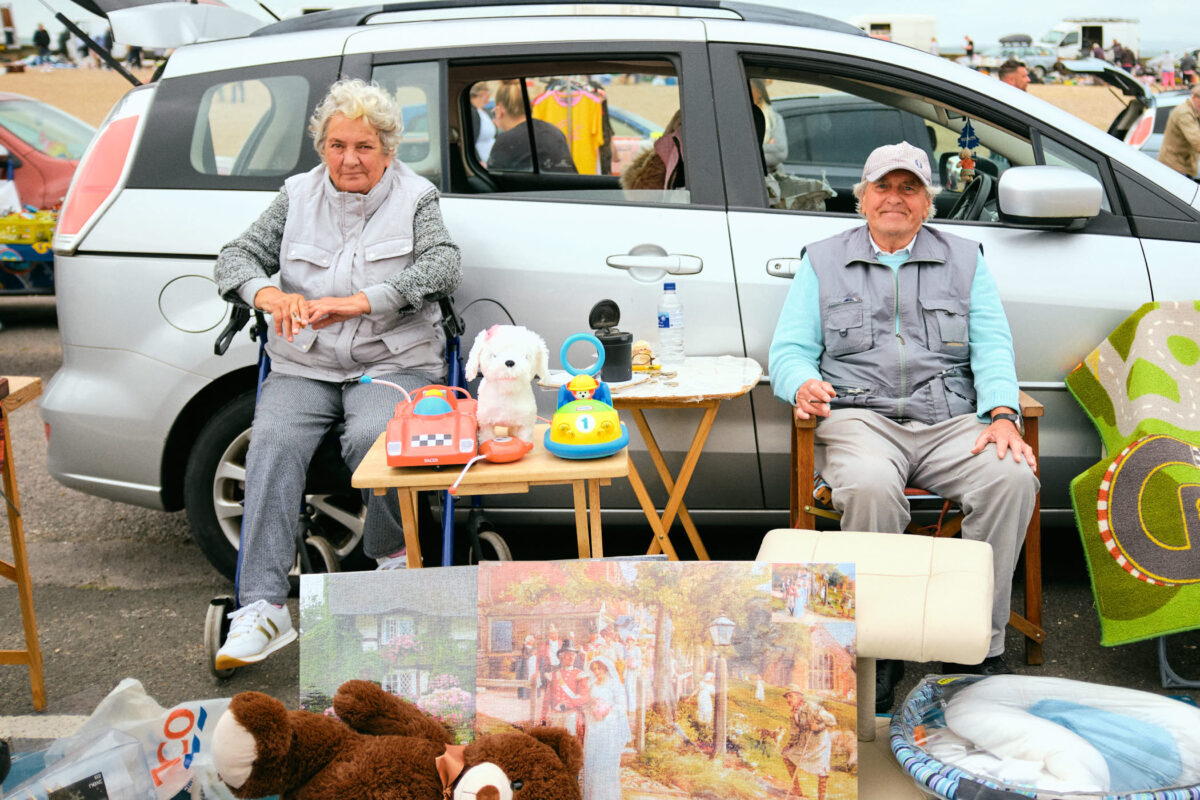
pixel 544 257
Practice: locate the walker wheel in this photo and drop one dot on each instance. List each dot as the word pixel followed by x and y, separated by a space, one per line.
pixel 486 544
pixel 216 628
pixel 321 554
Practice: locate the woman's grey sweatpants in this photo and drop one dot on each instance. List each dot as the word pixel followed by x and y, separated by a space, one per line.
pixel 868 459
pixel 291 417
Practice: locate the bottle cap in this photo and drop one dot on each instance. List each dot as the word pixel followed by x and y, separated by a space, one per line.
pixel 669 286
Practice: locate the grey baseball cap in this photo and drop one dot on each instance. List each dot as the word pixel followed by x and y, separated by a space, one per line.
pixel 897 156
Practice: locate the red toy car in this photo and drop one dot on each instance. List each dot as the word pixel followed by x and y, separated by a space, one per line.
pixel 436 426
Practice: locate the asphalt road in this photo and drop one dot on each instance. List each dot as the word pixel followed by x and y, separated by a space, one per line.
pixel 122 591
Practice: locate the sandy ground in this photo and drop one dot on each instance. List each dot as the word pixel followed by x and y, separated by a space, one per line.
pixel 89 93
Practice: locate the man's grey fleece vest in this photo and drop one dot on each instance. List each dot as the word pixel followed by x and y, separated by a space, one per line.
pixel 918 369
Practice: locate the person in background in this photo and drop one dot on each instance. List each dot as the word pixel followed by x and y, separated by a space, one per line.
pixel 1015 74
pixel 1187 68
pixel 969 45
pixel 1097 51
pixel 1165 64
pixel 485 129
pixel 349 304
pixel 934 49
pixel 909 392
pixel 1180 149
pixel 511 148
pixel 41 40
pixel 774 143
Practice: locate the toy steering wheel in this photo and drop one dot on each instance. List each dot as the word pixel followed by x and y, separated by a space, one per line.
pixel 581 337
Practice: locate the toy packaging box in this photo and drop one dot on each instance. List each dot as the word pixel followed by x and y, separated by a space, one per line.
pixel 681 679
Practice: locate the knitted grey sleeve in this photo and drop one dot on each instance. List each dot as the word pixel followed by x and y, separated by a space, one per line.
pixel 254 254
pixel 436 270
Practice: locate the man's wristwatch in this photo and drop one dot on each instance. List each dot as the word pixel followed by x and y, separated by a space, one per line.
pixel 1015 419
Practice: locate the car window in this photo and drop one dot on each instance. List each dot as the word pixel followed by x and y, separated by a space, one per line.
pixel 592 137
pixel 251 127
pixel 831 125
pixel 416 90
pixel 44 127
pixel 1060 155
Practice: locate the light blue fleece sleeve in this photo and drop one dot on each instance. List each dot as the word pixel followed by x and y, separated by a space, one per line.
pixel 992 359
pixel 795 354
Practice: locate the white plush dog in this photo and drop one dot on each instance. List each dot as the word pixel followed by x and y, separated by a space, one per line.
pixel 508 357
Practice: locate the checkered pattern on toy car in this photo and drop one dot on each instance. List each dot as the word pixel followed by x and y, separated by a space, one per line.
pixel 431 440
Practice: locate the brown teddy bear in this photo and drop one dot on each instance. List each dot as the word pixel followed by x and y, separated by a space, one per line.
pixel 383 748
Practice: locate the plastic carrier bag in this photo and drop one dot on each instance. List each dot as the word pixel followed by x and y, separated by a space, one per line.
pixel 172 748
pixel 106 767
pixel 1013 736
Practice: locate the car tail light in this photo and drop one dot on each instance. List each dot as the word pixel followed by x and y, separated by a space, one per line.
pixel 1142 130
pixel 102 170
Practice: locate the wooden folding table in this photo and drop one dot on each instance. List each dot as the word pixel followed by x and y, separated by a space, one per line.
pixel 702 382
pixel 21 390
pixel 536 468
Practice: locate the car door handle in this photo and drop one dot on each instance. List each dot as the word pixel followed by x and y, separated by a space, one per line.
pixel 650 258
pixel 783 267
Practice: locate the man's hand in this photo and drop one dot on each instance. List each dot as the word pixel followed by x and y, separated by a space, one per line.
pixel 326 311
pixel 1008 439
pixel 290 311
pixel 812 399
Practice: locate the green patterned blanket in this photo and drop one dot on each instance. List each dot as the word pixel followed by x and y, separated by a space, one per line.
pixel 1138 509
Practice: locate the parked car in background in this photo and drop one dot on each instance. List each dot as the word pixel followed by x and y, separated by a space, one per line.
pixel 1038 59
pixel 1142 122
pixel 1079 229
pixel 43 147
pixel 40 147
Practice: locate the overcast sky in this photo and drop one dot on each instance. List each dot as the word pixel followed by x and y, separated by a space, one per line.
pixel 1164 23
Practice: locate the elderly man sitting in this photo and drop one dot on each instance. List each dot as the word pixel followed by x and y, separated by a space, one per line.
pixel 893 333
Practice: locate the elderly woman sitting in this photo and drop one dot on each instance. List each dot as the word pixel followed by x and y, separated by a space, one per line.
pixel 362 257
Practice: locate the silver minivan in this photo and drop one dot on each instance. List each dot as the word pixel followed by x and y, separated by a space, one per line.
pixel 143 412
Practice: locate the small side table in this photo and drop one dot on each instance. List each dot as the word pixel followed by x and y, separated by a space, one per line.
pixel 537 468
pixel 21 391
pixel 703 382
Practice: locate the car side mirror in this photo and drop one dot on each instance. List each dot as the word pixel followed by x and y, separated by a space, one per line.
pixel 1048 197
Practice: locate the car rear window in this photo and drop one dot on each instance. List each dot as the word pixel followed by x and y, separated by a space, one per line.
pixel 250 127
pixel 241 129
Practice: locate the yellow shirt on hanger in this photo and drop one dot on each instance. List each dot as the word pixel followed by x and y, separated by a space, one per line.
pixel 579 114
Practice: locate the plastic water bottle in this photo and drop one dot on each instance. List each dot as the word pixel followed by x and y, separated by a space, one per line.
pixel 670 328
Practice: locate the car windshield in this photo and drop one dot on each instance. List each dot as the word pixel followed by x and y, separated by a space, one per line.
pixel 55 133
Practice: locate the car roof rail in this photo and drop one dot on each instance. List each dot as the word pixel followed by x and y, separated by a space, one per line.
pixel 747 11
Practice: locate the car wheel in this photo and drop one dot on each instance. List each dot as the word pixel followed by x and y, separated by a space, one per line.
pixel 215 485
pixel 1039 74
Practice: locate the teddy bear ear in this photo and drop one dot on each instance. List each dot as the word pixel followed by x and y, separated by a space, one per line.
pixel 566 746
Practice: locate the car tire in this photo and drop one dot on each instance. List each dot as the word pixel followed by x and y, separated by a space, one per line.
pixel 214 482
pixel 1039 75
pixel 214 488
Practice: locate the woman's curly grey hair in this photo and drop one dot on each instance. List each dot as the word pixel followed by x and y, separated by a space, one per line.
pixel 860 189
pixel 354 98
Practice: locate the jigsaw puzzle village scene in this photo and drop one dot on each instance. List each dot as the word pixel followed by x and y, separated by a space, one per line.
pixel 671 400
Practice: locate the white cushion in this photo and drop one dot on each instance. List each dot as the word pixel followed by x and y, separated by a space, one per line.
pixel 918 598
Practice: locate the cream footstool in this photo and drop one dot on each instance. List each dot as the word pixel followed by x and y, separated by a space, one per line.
pixel 917 599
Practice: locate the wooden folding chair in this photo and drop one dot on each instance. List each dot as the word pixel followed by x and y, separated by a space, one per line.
pixel 804 509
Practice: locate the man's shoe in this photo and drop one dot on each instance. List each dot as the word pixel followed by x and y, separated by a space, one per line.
pixel 888 673
pixel 256 631
pixel 992 665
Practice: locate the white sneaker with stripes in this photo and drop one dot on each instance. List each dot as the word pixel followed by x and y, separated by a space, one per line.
pixel 256 631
